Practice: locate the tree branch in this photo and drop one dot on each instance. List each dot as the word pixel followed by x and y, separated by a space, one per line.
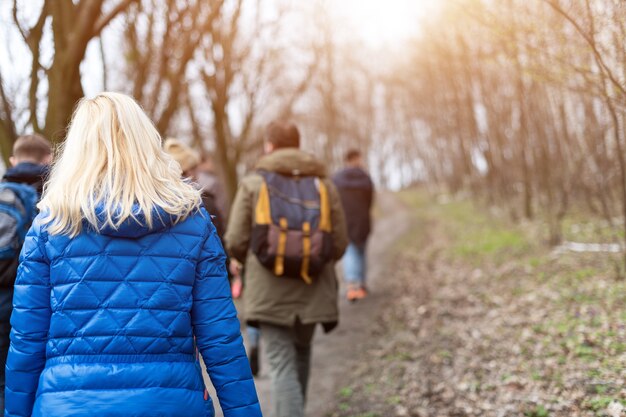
pixel 104 20
pixel 590 40
pixel 17 22
pixel 7 108
pixel 33 39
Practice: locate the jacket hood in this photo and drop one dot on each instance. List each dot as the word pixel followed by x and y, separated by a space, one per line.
pixel 27 173
pixel 353 178
pixel 134 226
pixel 292 162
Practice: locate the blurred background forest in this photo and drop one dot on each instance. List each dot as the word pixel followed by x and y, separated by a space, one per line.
pixel 521 104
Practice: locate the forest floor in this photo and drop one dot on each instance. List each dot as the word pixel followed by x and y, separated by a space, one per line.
pixel 482 318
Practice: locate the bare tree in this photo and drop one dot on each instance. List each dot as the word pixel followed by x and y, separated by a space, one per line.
pixel 524 102
pixel 242 66
pixel 160 51
pixel 73 24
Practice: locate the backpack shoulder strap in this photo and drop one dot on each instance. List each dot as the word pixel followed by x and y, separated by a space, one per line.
pixel 262 212
pixel 325 221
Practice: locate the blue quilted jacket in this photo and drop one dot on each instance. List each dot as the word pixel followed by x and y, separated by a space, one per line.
pixel 104 324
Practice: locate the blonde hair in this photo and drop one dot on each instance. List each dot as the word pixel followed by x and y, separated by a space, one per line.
pixel 112 163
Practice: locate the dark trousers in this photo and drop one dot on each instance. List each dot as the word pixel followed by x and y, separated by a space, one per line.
pixel 288 351
pixel 6 307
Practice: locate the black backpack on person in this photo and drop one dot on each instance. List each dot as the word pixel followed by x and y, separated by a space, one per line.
pixel 292 228
pixel 18 208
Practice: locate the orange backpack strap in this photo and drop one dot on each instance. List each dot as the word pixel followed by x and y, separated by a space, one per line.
pixel 279 266
pixel 325 222
pixel 306 252
pixel 262 212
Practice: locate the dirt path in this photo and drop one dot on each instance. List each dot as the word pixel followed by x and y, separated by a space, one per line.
pixel 334 354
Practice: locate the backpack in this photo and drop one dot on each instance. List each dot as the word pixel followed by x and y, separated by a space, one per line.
pixel 18 207
pixel 291 235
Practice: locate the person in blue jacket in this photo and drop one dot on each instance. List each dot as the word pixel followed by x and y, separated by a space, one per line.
pixel 121 277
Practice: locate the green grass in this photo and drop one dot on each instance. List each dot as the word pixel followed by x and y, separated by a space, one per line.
pixel 489 242
pixel 601 402
pixel 394 400
pixel 477 235
pixel 346 392
pixel 539 411
pixel 581 227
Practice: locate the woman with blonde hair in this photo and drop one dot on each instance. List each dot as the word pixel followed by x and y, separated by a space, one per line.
pixel 119 273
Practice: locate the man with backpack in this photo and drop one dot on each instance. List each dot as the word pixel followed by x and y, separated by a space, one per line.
pixel 357 195
pixel 287 225
pixel 20 191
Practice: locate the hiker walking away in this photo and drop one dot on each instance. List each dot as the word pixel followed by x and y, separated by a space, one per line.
pixel 288 227
pixel 209 181
pixel 189 161
pixel 19 193
pixel 357 193
pixel 122 275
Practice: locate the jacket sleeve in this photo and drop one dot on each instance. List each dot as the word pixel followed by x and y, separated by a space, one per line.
pixel 338 219
pixel 239 228
pixel 30 323
pixel 218 334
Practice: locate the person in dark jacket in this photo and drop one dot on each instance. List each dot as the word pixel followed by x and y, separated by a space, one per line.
pixel 208 179
pixel 357 194
pixel 122 277
pixel 31 156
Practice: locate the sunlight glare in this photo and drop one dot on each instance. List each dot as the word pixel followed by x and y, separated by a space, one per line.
pixel 383 22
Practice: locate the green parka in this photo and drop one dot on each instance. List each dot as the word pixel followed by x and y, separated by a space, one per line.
pixel 279 300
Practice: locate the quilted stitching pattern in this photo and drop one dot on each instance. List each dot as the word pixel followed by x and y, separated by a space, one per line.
pixel 102 313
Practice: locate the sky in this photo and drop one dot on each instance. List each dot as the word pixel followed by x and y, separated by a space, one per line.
pixel 384 22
